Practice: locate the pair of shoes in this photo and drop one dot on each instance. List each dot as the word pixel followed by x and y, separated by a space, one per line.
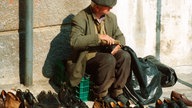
pixel 48 100
pixel 109 102
pixel 168 103
pixel 27 98
pixel 160 104
pixel 181 97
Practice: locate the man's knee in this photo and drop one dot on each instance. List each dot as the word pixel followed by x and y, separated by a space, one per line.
pixel 109 59
pixel 125 55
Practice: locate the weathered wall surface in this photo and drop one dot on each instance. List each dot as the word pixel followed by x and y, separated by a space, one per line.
pixel 50 28
pixel 136 18
pixel 176 39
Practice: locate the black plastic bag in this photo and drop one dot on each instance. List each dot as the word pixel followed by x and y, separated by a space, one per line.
pixel 168 75
pixel 144 85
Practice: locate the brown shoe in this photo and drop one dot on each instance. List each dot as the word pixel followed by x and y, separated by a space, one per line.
pixel 181 97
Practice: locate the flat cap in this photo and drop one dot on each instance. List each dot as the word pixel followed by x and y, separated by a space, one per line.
pixel 109 3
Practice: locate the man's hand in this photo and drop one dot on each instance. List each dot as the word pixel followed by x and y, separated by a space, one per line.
pixel 116 49
pixel 106 40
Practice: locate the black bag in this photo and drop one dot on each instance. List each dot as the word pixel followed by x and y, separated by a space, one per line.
pixel 144 85
pixel 168 75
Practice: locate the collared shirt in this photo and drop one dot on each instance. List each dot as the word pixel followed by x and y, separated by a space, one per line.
pixel 100 29
pixel 99 24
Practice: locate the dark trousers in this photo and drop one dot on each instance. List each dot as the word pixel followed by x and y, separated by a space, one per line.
pixel 109 72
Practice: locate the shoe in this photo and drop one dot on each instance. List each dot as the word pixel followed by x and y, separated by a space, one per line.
pixel 2 99
pixel 170 103
pixel 64 95
pixel 160 104
pixel 68 98
pixel 53 98
pixel 48 100
pixel 181 97
pixel 21 97
pixel 31 100
pixel 122 101
pixel 41 97
pixel 110 102
pixel 179 102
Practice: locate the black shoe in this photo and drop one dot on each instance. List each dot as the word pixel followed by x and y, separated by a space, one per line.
pixel 31 100
pixel 122 101
pixel 68 97
pixel 48 100
pixel 41 97
pixel 21 97
pixel 110 102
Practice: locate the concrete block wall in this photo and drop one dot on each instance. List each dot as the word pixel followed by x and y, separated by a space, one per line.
pixel 50 28
pixel 137 20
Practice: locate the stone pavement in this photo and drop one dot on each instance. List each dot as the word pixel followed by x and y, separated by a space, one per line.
pixel 183 85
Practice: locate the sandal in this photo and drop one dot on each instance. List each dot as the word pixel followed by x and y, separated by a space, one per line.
pixel 110 102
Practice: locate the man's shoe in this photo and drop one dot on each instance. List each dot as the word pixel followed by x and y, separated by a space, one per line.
pixel 20 94
pixel 110 102
pixel 68 97
pixel 181 97
pixel 30 98
pixel 122 101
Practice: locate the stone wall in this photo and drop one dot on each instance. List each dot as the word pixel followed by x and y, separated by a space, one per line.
pixel 137 20
pixel 50 20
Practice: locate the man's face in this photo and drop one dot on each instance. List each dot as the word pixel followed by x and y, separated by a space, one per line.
pixel 104 9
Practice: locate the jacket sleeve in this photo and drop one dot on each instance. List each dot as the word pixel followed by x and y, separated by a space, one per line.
pixel 80 39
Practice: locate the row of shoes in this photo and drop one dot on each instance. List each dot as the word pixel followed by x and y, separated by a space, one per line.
pixel 120 102
pixel 176 100
pixel 19 99
pixel 25 99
